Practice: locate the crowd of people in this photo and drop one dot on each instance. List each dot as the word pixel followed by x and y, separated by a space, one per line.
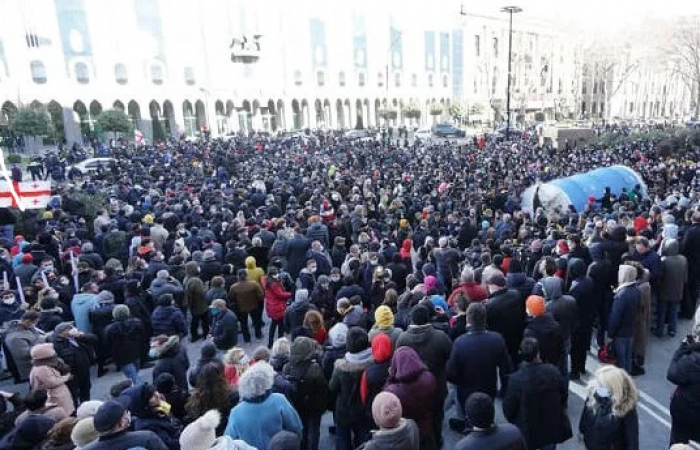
pixel 395 281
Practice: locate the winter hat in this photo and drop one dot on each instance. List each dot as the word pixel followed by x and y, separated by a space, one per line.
pixel 108 416
pixel 301 295
pixel 356 340
pixel 209 255
pixel 84 433
pixel 27 258
pixel 42 351
pixel 496 278
pixel 338 334
pixel 479 410
pixel 283 440
pixel 62 327
pixel 121 312
pixel 105 297
pixel 386 410
pixel 201 434
pixel 384 317
pixel 535 305
pixel 88 409
pixel 562 247
pixel 162 274
pixel 430 282
pixel 420 315
pixel 165 383
pixel 342 305
pixel 381 347
pixel 208 351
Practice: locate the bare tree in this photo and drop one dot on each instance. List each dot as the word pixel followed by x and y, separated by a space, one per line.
pixel 684 53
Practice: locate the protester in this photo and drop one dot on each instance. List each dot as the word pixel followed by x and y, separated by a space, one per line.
pixel 485 432
pixel 394 431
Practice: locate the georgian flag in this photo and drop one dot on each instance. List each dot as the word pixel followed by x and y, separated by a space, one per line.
pixel 32 194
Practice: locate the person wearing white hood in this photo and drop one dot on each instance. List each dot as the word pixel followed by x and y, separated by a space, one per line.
pixel 201 435
pixel 179 248
pixel 622 322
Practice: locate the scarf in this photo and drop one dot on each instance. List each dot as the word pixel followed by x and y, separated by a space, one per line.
pixel 363 357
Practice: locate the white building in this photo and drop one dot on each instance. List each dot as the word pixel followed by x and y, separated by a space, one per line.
pixel 180 65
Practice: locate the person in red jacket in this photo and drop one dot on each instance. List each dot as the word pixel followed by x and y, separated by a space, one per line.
pixel 474 291
pixel 275 303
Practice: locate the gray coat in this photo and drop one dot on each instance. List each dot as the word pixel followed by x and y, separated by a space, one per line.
pixel 19 341
pixel 674 273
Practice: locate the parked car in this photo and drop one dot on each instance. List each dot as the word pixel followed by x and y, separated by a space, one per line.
pixel 92 165
pixel 356 135
pixel 446 130
pixel 424 134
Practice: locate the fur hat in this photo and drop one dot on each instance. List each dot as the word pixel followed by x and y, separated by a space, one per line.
pixel 201 434
pixel 384 317
pixel 84 432
pixel 386 410
pixel 43 351
pixel 256 381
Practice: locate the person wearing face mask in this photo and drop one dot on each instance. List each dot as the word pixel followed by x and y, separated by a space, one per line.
pixel 20 337
pixel 150 412
pixel 307 276
pixel 224 329
pixel 78 351
pixel 10 308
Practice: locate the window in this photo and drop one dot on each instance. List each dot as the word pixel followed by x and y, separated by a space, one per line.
pixel 594 108
pixel 341 78
pixel 82 74
pixel 156 74
pixel 584 89
pixel 380 79
pixel 361 79
pixel 121 75
pixel 414 80
pixel 38 72
pixel 561 86
pixel 495 47
pixel 583 107
pixel 190 79
pixel 595 87
pixel 320 78
pixel 602 89
pixel 476 87
pixel 445 81
pixel 430 80
pixel 477 45
pixel 297 77
pixel 397 79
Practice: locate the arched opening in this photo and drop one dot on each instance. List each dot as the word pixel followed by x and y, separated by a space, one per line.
pixel 189 119
pixel 221 122
pixel 305 119
pixel 95 109
pixel 377 108
pixel 281 117
pixel 82 116
pixel 56 113
pixel 134 113
pixel 169 118
pixel 339 114
pixel 36 105
pixel 156 121
pixel 327 113
pixel 272 116
pixel 319 114
pixel 201 113
pixel 256 117
pixel 348 114
pixel 119 106
pixel 296 115
pixel 359 116
pixel 368 114
pixel 245 119
pixel 230 112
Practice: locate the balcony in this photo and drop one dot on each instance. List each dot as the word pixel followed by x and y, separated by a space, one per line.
pixel 245 49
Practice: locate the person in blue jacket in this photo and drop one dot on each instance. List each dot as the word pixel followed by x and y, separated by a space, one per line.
pixel 622 322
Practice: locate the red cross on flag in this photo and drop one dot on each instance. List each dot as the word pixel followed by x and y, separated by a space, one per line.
pixel 33 194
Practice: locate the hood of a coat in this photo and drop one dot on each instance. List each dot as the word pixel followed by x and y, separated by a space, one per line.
pixel 515 280
pixel 169 347
pixel 303 350
pixel 192 269
pixel 84 298
pixel 406 365
pixel 250 263
pixel 670 247
pixel 577 268
pixel 136 399
pixel 406 245
pixel 552 287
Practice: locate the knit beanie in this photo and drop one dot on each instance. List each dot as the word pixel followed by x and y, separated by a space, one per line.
pixel 420 315
pixel 535 305
pixel 201 434
pixel 283 440
pixel 386 410
pixel 357 340
pixel 84 433
pixel 337 335
pixel 383 317
pixel 121 312
pixel 381 347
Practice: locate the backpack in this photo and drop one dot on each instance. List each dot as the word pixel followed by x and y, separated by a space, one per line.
pixel 296 390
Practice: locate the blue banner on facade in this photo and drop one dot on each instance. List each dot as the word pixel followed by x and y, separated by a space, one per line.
pixel 318 42
pixel 444 52
pixel 359 41
pixel 150 23
pixel 396 44
pixel 430 50
pixel 74 31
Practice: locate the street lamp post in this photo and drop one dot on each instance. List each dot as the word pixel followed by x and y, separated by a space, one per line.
pixel 510 10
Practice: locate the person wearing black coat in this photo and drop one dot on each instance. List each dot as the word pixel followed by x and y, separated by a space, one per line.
pixel 143 403
pixel 172 359
pixel 224 328
pixel 126 338
pixel 690 248
pixel 535 400
pixel 601 273
pixel 684 372
pixel 486 433
pixel 478 358
pixel 582 290
pixel 505 313
pixel 296 254
pixel 207 355
pixel 543 327
pixel 78 351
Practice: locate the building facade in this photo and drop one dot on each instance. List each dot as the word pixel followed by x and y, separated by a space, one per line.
pixel 179 66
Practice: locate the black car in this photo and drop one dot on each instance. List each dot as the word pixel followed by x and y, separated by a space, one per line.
pixel 445 130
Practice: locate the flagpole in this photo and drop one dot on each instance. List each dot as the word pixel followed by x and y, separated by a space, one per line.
pixel 20 291
pixel 74 272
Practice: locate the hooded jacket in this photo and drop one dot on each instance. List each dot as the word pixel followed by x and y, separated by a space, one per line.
pixel 81 305
pixel 433 348
pixel 294 315
pixel 684 372
pixel 146 417
pixel 168 320
pixel 674 273
pixel 405 437
pixel 562 307
pixel 505 314
pixel 521 283
pixel 173 360
pixel 583 291
pixel 622 321
pixel 195 291
pixel 345 384
pixel 304 367
pixel 416 387
pixel 254 272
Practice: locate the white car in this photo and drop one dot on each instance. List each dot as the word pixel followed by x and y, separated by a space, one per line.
pixel 424 134
pixel 91 165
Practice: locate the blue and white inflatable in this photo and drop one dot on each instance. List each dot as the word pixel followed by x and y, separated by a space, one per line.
pixel 576 189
